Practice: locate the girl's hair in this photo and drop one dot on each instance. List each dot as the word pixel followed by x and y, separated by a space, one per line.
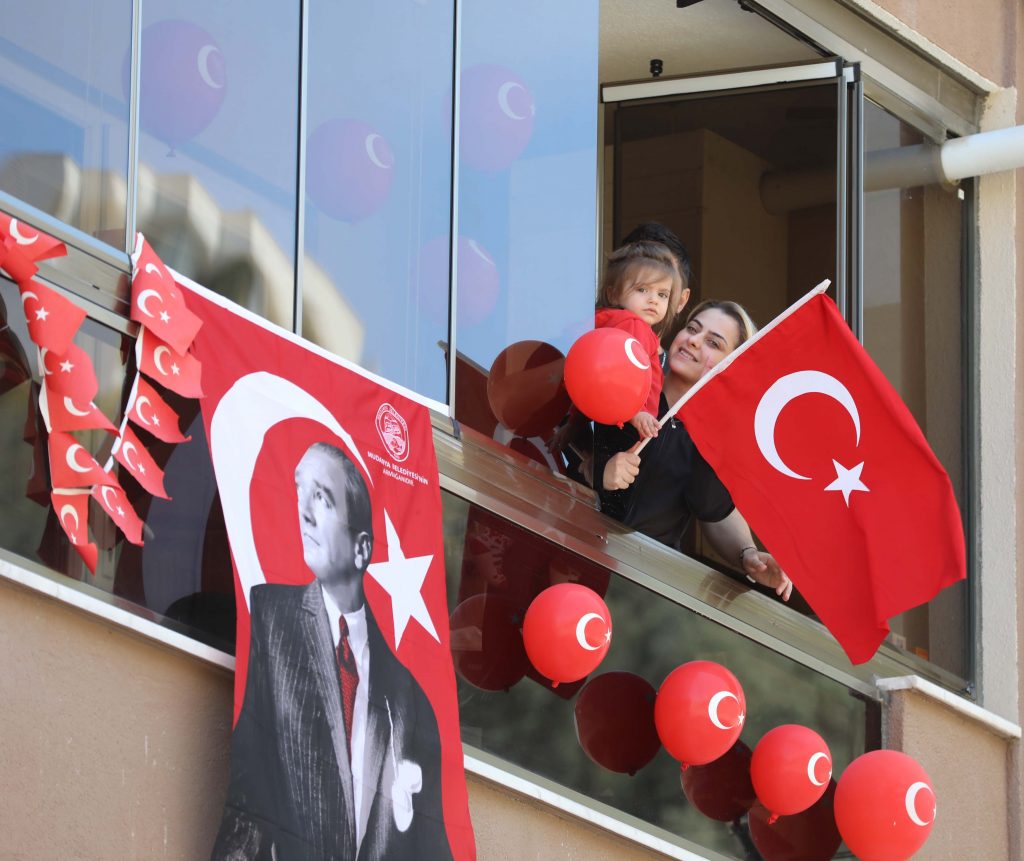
pixel 746 326
pixel 639 263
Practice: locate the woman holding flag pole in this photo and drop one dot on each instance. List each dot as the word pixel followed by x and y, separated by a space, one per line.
pixel 658 492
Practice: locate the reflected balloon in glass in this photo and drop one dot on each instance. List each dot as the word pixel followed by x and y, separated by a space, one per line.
pixel 349 169
pixel 722 789
pixel 497 116
pixel 614 717
pixel 182 80
pixel 526 390
pixel 808 836
pixel 478 281
pixel 487 645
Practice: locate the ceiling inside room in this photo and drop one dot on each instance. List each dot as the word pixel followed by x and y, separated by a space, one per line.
pixel 708 36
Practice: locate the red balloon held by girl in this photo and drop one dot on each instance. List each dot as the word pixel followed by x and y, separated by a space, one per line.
pixel 608 375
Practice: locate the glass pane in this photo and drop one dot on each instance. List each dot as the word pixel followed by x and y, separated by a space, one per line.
pixel 218 146
pixel 496 568
pixel 746 180
pixel 64 144
pixel 378 187
pixel 913 325
pixel 183 572
pixel 527 207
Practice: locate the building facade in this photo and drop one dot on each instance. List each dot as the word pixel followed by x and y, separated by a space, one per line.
pixel 427 189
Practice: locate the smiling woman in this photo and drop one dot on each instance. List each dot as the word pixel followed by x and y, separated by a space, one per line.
pixel 662 491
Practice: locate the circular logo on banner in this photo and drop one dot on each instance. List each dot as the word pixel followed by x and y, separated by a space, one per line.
pixel 394 432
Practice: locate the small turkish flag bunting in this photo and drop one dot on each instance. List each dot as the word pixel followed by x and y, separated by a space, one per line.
pixel 150 411
pixel 62 414
pixel 52 319
pixel 114 501
pixel 133 456
pixel 71 465
pixel 70 373
pixel 158 304
pixel 178 372
pixel 31 243
pixel 72 507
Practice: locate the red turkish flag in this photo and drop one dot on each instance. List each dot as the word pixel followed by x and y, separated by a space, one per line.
pixel 269 400
pixel 71 465
pixel 178 372
pixel 135 457
pixel 830 469
pixel 72 508
pixel 32 243
pixel 70 373
pixel 157 302
pixel 61 413
pixel 52 319
pixel 150 411
pixel 114 501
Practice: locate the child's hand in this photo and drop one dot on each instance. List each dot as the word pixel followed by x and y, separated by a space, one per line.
pixel 646 425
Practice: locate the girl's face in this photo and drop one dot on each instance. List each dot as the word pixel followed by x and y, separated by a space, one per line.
pixel 703 343
pixel 648 298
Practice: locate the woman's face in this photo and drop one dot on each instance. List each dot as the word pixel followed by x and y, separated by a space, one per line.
pixel 703 343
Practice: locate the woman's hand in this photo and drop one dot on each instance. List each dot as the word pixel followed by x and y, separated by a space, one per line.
pixel 762 568
pixel 621 470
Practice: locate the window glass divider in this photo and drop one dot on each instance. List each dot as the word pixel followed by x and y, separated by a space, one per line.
pixel 300 169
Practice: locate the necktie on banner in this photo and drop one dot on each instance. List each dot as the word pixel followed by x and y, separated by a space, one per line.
pixel 281 419
pixel 830 469
pixel 348 675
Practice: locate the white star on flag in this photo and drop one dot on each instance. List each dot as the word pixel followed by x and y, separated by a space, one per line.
pixel 175 369
pixel 402 579
pixel 847 480
pixel 42 314
pixel 66 366
pixel 165 317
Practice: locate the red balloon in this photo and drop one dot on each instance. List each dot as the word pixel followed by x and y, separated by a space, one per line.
pixel 487 646
pixel 478 281
pixel 615 721
pixel 525 388
pixel 567 632
pixel 182 80
pixel 607 376
pixel 699 712
pixel 349 169
pixel 497 112
pixel 808 836
pixel 792 766
pixel 885 806
pixel 721 790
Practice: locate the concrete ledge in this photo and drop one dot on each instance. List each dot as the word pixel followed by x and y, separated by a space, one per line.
pixel 997 725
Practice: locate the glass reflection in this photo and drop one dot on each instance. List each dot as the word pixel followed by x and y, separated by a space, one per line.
pixel 913 323
pixel 526 245
pixel 565 734
pixel 64 148
pixel 378 187
pixel 218 113
pixel 183 571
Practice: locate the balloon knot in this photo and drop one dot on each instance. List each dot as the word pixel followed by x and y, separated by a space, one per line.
pixel 683 766
pixel 554 685
pixel 773 818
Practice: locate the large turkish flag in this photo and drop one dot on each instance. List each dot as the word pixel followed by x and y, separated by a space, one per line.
pixel 831 471
pixel 269 397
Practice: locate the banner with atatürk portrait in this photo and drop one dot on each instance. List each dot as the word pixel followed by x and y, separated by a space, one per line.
pixel 346 740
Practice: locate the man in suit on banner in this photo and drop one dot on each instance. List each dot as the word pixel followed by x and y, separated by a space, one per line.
pixel 336 752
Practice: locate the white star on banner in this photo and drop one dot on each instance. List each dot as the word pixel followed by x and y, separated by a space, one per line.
pixel 403 580
pixel 847 480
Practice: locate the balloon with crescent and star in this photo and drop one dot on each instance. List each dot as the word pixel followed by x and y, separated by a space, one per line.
pixel 497 113
pixel 606 377
pixel 567 632
pixel 790 769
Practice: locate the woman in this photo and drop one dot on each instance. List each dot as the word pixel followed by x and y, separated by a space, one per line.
pixel 659 491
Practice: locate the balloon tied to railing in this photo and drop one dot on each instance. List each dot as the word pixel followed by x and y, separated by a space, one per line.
pixel 68 386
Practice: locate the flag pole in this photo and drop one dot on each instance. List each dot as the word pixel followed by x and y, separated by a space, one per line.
pixel 735 354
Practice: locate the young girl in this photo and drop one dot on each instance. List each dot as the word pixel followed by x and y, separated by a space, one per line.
pixel 640 295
